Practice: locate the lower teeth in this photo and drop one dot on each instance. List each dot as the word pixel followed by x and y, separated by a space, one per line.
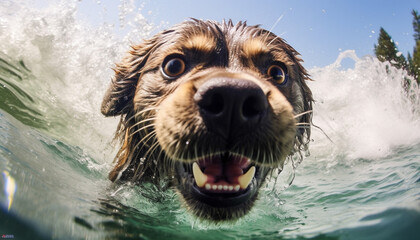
pixel 201 179
pixel 235 188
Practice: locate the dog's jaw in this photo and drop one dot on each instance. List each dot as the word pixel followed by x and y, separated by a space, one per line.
pixel 217 205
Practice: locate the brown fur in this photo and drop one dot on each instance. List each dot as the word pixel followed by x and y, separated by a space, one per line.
pixel 160 124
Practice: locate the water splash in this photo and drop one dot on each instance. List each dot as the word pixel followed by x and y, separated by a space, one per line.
pixel 366 110
pixel 350 54
pixel 71 60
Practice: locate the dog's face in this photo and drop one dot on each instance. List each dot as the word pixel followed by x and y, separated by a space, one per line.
pixel 215 107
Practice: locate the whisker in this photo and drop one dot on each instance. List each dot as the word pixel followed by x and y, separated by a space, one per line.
pixel 320 129
pixel 147 157
pixel 303 113
pixel 152 134
pixel 302 124
pixel 305 125
pixel 139 172
pixel 277 22
pixel 143 121
pixel 146 139
pixel 258 155
pixel 141 112
pixel 274 39
pixel 152 149
pixel 195 151
pixel 272 27
pixel 142 128
pixel 171 145
pixel 272 156
pixel 145 113
pixel 165 160
pixel 146 110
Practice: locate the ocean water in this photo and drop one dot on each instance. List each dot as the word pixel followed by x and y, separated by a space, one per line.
pixel 361 180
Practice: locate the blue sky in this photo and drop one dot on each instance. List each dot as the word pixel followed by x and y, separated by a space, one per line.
pixel 318 29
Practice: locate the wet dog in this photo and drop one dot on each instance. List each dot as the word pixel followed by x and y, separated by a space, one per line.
pixel 212 108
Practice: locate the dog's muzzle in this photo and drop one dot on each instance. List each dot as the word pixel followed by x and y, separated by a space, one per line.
pixel 230 106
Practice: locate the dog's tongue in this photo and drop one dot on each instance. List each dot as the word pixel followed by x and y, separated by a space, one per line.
pixel 223 173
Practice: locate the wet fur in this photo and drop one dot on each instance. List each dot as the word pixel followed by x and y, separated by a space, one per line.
pixel 138 93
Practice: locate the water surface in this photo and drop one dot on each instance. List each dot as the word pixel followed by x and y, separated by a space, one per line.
pixel 56 150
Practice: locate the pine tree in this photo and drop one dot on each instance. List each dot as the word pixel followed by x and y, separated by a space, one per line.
pixel 386 50
pixel 414 65
pixel 416 25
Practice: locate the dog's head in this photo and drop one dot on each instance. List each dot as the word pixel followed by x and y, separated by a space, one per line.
pixel 212 107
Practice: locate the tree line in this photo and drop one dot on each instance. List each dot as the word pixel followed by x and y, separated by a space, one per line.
pixel 386 50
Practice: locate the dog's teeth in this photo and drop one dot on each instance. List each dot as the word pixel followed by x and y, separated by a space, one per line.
pixel 199 176
pixel 246 179
pixel 201 180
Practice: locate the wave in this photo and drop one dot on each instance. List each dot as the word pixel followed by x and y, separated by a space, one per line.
pixel 70 64
pixel 367 111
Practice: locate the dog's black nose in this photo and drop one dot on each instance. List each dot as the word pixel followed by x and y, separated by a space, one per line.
pixel 231 106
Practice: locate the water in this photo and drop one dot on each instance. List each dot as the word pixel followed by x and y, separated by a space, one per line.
pixel 56 150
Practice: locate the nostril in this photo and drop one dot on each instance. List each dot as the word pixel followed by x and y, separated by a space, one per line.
pixel 250 108
pixel 253 106
pixel 213 104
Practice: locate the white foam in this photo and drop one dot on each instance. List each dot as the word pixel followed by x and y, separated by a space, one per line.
pixel 364 110
pixel 71 60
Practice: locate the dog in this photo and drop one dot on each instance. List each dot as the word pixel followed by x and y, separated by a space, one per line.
pixel 212 108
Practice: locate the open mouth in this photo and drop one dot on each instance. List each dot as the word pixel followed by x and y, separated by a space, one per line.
pixel 223 180
pixel 216 175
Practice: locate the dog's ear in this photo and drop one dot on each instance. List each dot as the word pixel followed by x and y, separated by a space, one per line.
pixel 118 98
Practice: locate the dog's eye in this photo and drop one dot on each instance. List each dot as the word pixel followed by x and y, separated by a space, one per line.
pixel 277 73
pixel 174 67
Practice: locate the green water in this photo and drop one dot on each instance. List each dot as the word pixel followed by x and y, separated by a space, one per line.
pixel 56 151
pixel 62 193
